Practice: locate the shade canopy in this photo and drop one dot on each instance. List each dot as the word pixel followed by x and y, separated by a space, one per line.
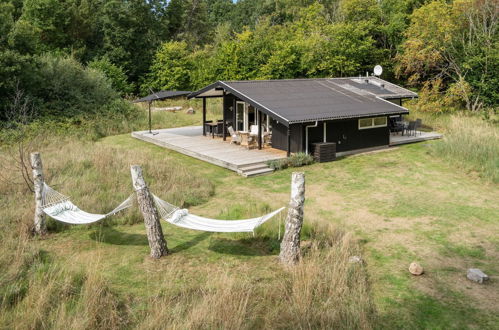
pixel 162 95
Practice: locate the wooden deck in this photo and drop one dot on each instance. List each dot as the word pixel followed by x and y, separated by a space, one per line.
pixel 398 139
pixel 190 141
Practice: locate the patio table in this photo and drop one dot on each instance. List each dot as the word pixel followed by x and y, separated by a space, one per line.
pixel 211 128
pixel 245 138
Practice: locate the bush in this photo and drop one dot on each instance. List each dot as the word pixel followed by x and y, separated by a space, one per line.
pixel 296 160
pixel 300 159
pixel 66 89
pixel 114 73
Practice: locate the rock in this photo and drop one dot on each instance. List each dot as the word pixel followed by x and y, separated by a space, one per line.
pixel 355 260
pixel 476 275
pixel 190 111
pixel 174 109
pixel 416 269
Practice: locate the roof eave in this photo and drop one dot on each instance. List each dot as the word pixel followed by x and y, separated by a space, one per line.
pixel 204 90
pixel 399 96
pixel 402 112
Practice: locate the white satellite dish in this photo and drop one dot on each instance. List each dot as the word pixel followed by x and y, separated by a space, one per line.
pixel 378 70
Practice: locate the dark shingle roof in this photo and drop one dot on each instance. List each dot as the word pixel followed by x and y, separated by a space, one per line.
pixel 305 100
pixel 162 95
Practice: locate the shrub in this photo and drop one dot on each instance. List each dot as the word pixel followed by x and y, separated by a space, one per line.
pixel 300 159
pixel 114 73
pixel 67 89
pixel 278 164
pixel 296 160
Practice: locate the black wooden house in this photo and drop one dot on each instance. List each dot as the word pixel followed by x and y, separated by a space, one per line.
pixel 351 112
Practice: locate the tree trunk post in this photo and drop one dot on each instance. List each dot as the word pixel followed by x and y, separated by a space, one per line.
pixel 290 245
pixel 40 227
pixel 157 241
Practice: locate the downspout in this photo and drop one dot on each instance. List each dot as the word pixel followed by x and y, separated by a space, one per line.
pixel 306 135
pixel 324 134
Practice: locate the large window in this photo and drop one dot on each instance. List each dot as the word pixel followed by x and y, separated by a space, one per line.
pixel 366 123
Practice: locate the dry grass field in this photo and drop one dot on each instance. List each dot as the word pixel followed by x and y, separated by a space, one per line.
pixel 390 207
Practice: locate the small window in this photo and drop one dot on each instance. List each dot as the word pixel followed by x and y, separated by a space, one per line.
pixel 379 121
pixel 365 123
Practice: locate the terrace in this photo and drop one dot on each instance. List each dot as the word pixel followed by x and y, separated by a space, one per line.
pixel 191 142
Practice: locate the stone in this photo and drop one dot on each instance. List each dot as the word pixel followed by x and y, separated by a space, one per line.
pixel 416 269
pixel 355 260
pixel 173 109
pixel 476 275
pixel 190 111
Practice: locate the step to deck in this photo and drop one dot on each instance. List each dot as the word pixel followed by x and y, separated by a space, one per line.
pixel 254 169
pixel 257 172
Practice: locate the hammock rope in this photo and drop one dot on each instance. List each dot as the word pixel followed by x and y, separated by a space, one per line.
pixel 182 218
pixel 60 208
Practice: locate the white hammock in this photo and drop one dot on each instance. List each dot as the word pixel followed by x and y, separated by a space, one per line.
pixel 182 218
pixel 60 208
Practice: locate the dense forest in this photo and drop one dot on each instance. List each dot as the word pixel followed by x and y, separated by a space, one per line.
pixel 79 57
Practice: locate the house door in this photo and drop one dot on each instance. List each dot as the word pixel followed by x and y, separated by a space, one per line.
pixel 241 116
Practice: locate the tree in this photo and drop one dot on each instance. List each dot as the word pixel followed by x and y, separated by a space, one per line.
pixel 114 73
pixel 195 30
pixel 170 68
pixel 131 32
pixel 458 43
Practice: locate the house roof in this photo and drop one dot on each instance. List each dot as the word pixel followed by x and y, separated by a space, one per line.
pixel 305 100
pixel 162 95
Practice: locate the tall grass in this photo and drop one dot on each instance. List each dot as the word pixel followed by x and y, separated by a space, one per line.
pixel 473 144
pixel 39 289
pixel 324 291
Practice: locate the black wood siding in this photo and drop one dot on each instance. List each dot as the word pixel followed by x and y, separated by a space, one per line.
pixel 345 133
pixel 280 136
pixel 228 106
pixel 348 137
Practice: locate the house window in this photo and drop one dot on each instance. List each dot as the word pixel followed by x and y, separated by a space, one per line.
pixel 366 123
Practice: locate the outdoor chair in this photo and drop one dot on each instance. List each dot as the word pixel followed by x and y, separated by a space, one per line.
pixel 254 130
pixel 209 128
pixel 235 138
pixel 220 129
pixel 411 128
pixel 419 124
pixel 396 126
pixel 267 139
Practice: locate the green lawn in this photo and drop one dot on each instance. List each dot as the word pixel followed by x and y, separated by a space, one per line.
pixel 401 205
pixel 404 205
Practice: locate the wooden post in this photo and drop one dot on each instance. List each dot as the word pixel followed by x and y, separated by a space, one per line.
pixel 259 122
pixel 37 168
pixel 224 101
pixel 150 118
pixel 288 153
pixel 290 245
pixel 204 116
pixel 234 114
pixel 157 241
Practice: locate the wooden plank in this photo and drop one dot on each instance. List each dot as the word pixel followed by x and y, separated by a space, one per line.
pixel 190 141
